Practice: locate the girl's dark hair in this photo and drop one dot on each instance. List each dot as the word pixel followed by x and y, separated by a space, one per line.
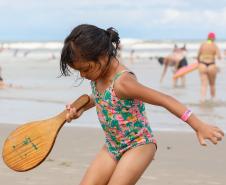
pixel 88 43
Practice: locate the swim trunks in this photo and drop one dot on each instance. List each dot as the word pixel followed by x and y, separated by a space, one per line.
pixel 183 62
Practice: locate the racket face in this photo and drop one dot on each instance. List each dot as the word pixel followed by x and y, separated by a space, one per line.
pixel 28 146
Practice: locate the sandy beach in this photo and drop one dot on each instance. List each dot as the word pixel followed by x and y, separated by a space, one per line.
pixel 179 160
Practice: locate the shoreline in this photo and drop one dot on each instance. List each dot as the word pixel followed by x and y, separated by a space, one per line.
pixel 179 159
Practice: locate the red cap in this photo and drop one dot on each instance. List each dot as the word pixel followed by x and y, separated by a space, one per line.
pixel 211 36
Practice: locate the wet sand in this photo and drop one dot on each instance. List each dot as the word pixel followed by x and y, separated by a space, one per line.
pixel 180 160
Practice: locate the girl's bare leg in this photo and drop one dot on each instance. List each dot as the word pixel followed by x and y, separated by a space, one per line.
pixel 100 170
pixel 132 165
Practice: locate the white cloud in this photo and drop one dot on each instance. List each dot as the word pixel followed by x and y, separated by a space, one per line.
pixel 193 18
pixel 141 18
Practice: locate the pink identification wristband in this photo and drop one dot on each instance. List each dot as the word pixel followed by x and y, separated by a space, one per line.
pixel 186 115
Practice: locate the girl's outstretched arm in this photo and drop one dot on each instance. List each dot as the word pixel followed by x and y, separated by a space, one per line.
pixel 128 87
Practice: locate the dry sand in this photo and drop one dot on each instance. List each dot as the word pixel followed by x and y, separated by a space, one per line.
pixel 180 160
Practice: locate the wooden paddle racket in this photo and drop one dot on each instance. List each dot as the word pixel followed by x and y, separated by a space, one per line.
pixel 29 145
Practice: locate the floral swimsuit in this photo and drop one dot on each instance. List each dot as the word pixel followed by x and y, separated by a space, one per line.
pixel 123 120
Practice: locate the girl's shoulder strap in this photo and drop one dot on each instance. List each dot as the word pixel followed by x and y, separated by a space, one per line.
pixel 117 75
pixel 92 83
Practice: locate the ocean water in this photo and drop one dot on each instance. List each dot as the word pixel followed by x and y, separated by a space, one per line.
pixel 38 92
pixel 142 48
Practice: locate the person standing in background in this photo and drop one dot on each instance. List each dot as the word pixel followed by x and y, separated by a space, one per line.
pixel 132 56
pixel 177 59
pixel 207 54
pixel 1 79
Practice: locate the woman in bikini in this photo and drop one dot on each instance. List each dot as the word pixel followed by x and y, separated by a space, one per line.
pixel 207 54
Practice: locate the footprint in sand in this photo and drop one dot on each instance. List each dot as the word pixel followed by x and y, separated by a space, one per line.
pixel 50 160
pixel 64 163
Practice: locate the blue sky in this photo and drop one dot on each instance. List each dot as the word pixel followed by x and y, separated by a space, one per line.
pixel 44 20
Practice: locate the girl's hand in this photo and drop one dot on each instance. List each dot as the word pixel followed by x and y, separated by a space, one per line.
pixel 210 132
pixel 72 113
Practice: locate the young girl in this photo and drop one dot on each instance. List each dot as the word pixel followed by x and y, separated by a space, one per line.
pixel 119 100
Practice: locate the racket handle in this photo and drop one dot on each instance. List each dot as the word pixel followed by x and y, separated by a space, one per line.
pixel 78 104
pixel 81 101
